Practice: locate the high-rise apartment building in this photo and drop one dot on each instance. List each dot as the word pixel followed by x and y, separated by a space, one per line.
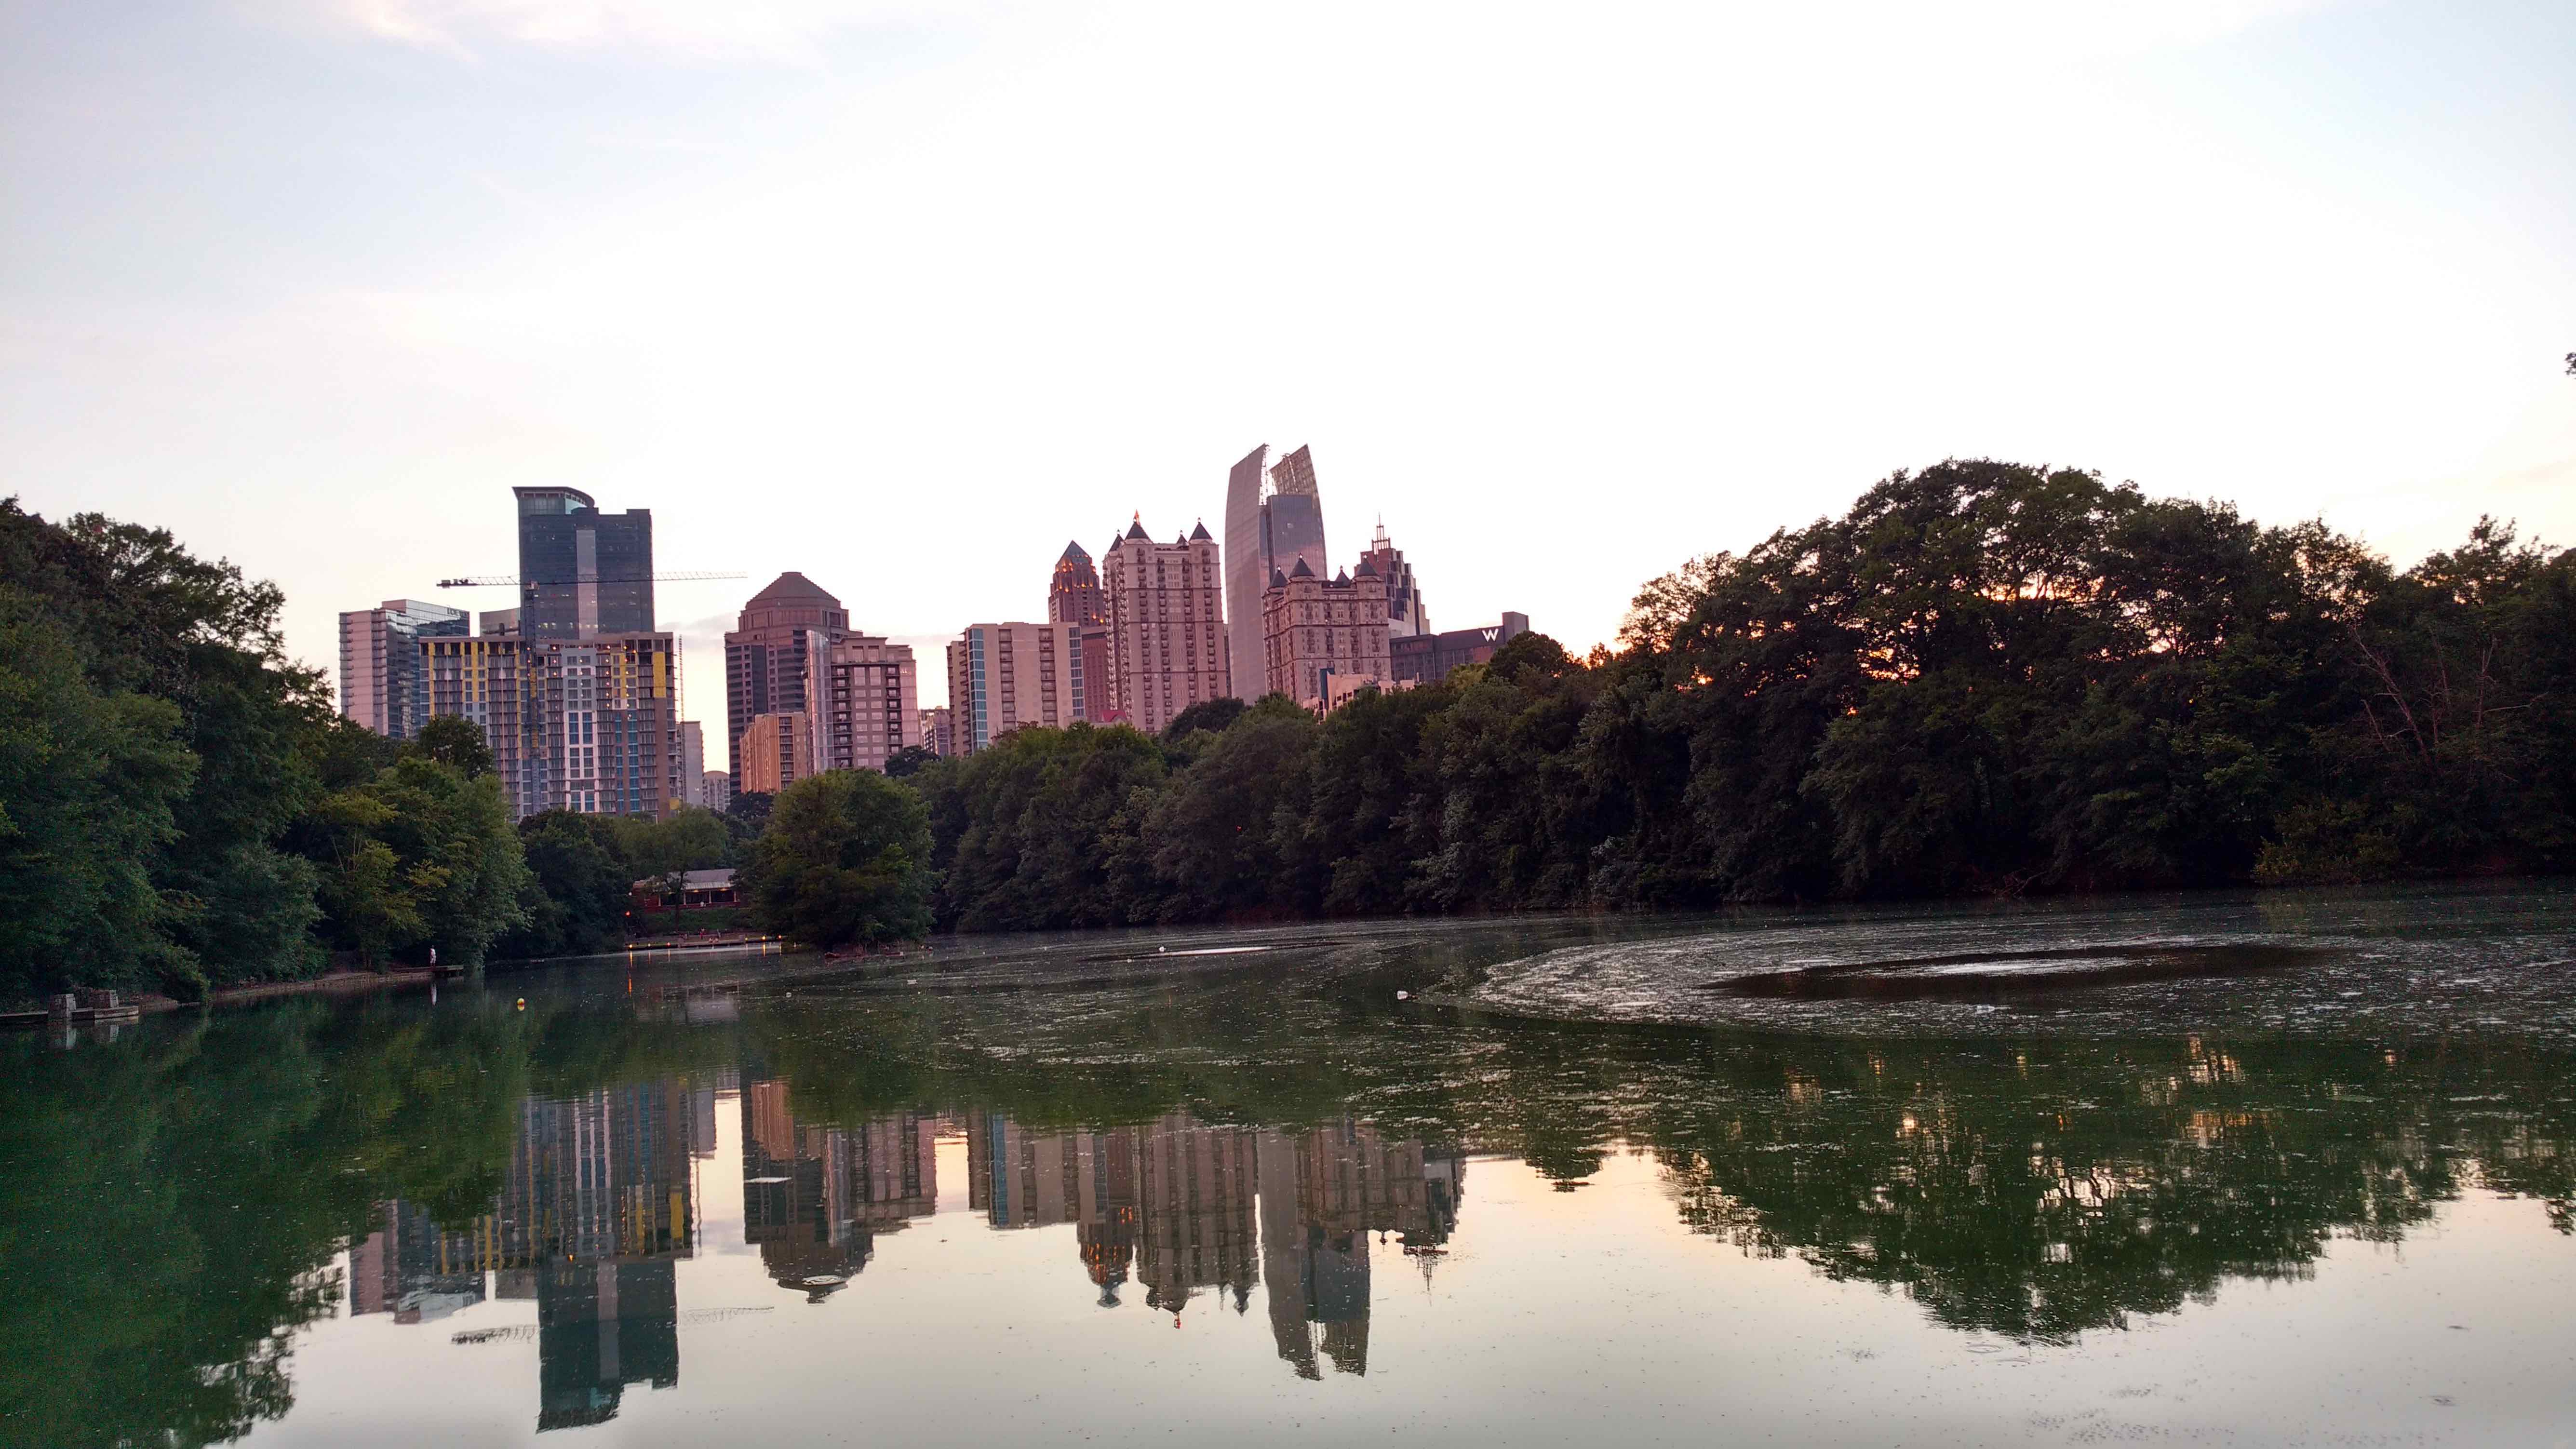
pixel 603 715
pixel 582 572
pixel 693 763
pixel 586 725
pixel 1317 631
pixel 860 700
pixel 1167 628
pixel 771 755
pixel 483 680
pixel 715 790
pixel 938 727
pixel 1274 517
pixel 1428 658
pixel 1003 676
pixel 765 653
pixel 381 684
pixel 1405 614
pixel 1074 595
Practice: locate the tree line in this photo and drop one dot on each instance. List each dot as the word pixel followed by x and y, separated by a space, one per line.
pixel 1983 678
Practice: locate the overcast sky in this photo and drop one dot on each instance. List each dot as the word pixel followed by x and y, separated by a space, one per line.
pixel 905 295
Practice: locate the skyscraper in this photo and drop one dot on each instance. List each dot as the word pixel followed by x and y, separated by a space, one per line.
pixel 1167 631
pixel 603 721
pixel 582 572
pixel 1073 594
pixel 765 653
pixel 483 680
pixel 1003 676
pixel 1274 517
pixel 381 683
pixel 693 763
pixel 772 754
pixel 1316 631
pixel 1405 613
pixel 860 700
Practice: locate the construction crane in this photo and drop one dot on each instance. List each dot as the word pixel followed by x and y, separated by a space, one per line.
pixel 497 581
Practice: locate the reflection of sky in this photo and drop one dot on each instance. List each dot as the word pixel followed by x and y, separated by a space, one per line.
pixel 1555 1317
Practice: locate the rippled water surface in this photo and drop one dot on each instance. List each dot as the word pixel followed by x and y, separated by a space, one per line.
pixel 2289 1169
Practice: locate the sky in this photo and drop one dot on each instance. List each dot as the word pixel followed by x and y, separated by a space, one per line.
pixel 906 295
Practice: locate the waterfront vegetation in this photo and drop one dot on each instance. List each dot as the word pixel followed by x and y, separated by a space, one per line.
pixel 1982 679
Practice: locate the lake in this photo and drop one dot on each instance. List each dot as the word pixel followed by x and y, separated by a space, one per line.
pixel 2295 1168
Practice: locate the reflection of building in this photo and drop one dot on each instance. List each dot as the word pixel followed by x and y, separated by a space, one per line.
pixel 382 685
pixel 1188 1206
pixel 814 1198
pixel 1322 1194
pixel 1167 640
pixel 1428 658
pixel 597 1206
pixel 410 1268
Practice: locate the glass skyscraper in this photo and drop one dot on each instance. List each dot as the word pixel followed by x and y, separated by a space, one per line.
pixel 582 572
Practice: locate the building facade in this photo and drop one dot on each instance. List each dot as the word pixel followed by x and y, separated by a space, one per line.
pixel 715 790
pixel 1167 629
pixel 582 572
pixel 381 683
pixel 603 716
pixel 773 755
pixel 483 680
pixel 1274 517
pixel 1428 658
pixel 1074 594
pixel 938 726
pixel 1318 632
pixel 765 652
pixel 861 700
pixel 693 763
pixel 1004 676
pixel 1405 612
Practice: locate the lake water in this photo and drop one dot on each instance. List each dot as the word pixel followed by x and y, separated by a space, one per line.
pixel 2285 1169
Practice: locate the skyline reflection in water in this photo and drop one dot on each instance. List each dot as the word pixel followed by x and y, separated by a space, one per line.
pixel 665 1216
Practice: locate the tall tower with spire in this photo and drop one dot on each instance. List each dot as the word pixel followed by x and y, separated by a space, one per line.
pixel 1074 595
pixel 1405 614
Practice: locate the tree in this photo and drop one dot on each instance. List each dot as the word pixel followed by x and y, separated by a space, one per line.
pixel 580 885
pixel 423 857
pixel 846 858
pixel 1214 715
pixel 88 784
pixel 751 808
pixel 456 742
pixel 907 762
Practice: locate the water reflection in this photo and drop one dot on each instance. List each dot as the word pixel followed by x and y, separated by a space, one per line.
pixel 1189 1149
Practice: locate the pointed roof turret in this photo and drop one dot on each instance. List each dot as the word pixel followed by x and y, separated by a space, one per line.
pixel 1073 550
pixel 1366 570
pixel 1136 527
pixel 1200 533
pixel 1342 578
pixel 1278 580
pixel 1301 571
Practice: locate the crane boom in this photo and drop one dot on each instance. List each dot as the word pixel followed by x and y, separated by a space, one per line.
pixel 494 581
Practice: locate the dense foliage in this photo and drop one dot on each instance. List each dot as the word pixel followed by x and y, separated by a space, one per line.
pixel 843 861
pixel 1983 679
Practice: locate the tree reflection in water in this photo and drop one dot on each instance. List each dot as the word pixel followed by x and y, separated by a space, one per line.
pixel 173 1203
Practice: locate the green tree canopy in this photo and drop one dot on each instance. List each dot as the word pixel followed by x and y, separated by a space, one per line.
pixel 846 859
